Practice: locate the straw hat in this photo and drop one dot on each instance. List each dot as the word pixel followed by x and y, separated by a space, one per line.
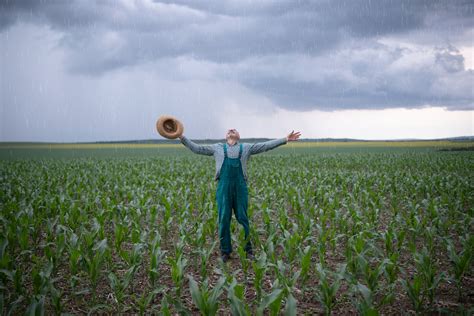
pixel 169 127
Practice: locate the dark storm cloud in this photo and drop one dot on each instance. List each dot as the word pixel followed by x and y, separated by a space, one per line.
pixel 368 77
pixel 238 36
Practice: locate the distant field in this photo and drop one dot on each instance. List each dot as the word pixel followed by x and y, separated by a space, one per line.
pixel 75 150
pixel 384 144
pixel 295 144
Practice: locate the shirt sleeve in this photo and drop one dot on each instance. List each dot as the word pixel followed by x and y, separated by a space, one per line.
pixel 207 150
pixel 258 148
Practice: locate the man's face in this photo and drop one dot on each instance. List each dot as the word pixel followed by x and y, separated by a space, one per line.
pixel 232 134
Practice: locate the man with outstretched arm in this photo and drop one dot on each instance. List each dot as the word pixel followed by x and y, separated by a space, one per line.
pixel 231 171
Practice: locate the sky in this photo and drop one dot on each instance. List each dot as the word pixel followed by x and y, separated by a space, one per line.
pixel 106 70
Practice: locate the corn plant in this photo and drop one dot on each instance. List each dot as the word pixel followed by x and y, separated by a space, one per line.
pixel 428 271
pixel 414 289
pixel 5 258
pixel 365 305
pixel 36 306
pixel 205 254
pixel 42 279
pixel 167 217
pixel 290 306
pixel 56 296
pixel 95 261
pixel 291 243
pixel 269 249
pixel 305 256
pixel 206 300
pixel 244 262
pixel 119 286
pixel 121 234
pixel 272 301
pixel 235 296
pixel 391 270
pixel 16 278
pixel 144 300
pixel 156 258
pixel 178 265
pixel 133 257
pixel 323 240
pixel 329 284
pixel 259 268
pixel 75 253
pixel 355 252
pixel 43 284
pixel 430 234
pixel 178 250
pixel 286 279
pixel 389 241
pixel 165 309
pixel 266 217
pixel 200 236
pixel 462 261
pixel 371 275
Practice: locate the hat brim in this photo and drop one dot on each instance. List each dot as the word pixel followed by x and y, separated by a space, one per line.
pixel 169 127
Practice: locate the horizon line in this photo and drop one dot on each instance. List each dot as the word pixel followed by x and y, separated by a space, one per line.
pixel 341 139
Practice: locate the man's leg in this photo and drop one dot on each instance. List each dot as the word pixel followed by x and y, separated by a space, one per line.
pixel 224 206
pixel 240 208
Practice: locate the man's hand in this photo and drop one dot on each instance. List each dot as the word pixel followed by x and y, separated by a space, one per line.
pixel 293 136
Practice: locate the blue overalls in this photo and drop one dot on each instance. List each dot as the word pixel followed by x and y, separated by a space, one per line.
pixel 231 194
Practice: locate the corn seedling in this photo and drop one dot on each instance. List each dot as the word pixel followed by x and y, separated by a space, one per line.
pixel 134 257
pixel 75 253
pixel 272 301
pixel 329 284
pixel 371 275
pixel 5 259
pixel 145 299
pixel 94 262
pixel 15 277
pixel 205 254
pixel 259 268
pixel 428 271
pixel 461 261
pixel 119 286
pixel 365 304
pixel 286 279
pixel 235 296
pixel 178 265
pixel 414 289
pixel 305 256
pixel 206 300
pixel 291 243
pixel 156 259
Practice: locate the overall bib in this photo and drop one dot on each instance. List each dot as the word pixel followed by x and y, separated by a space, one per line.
pixel 232 194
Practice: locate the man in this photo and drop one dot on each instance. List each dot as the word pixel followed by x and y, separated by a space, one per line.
pixel 231 172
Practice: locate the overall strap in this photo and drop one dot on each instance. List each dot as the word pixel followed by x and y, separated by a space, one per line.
pixel 240 150
pixel 225 150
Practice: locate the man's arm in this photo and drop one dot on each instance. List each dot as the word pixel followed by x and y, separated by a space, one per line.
pixel 271 144
pixel 258 148
pixel 207 150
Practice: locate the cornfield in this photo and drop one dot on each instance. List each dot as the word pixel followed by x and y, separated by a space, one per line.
pixel 367 231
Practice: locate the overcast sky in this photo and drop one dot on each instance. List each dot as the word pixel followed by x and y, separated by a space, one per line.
pixel 106 70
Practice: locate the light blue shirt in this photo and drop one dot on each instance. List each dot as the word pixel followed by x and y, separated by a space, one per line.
pixel 217 150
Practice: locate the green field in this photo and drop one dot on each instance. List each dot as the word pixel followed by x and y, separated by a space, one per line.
pixel 368 228
pixel 121 150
